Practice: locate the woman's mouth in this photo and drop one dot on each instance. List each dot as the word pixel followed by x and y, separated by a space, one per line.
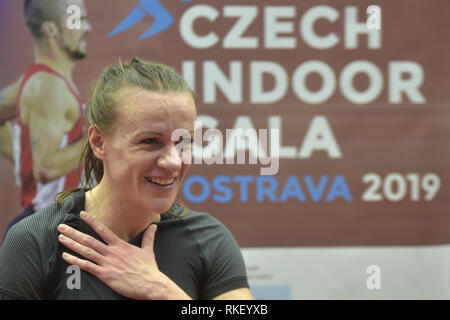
pixel 161 182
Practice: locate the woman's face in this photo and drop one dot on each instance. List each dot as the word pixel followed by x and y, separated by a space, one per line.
pixel 140 160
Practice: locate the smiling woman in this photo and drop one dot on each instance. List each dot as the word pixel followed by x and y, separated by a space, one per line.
pixel 132 112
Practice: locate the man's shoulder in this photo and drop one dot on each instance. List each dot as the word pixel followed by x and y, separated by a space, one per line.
pixel 42 82
pixel 48 87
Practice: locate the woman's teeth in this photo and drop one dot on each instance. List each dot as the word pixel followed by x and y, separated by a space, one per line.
pixel 163 182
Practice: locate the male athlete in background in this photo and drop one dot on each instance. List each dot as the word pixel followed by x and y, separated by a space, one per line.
pixel 49 132
pixel 8 101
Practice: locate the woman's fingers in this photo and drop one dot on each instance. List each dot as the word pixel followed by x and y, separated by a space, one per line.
pixel 149 237
pixel 82 238
pixel 85 265
pixel 82 250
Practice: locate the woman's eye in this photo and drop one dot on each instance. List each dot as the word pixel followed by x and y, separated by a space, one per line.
pixel 149 141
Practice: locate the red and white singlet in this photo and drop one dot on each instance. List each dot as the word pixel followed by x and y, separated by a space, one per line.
pixel 34 193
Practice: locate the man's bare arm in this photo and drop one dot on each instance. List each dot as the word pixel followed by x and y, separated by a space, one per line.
pixel 45 102
pixel 6 144
pixel 8 100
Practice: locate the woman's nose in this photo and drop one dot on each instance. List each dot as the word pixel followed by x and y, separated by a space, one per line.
pixel 170 159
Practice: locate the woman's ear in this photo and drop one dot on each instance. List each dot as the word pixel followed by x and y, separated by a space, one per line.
pixel 97 142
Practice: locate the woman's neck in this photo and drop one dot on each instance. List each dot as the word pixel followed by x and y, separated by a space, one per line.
pixel 108 206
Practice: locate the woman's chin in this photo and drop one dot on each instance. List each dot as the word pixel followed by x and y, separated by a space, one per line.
pixel 160 207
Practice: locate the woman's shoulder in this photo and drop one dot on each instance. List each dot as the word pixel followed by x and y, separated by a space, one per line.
pixel 201 218
pixel 40 226
pixel 26 253
pixel 207 228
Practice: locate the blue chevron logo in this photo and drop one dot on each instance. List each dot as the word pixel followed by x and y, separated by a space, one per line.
pixel 162 18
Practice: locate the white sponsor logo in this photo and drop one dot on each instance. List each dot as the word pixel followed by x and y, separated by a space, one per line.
pixel 74 280
pixel 374 280
pixel 74 19
pixel 373 17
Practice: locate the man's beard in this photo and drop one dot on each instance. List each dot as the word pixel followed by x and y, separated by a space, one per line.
pixel 75 54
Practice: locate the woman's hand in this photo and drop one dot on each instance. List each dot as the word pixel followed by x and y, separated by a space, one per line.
pixel 127 269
